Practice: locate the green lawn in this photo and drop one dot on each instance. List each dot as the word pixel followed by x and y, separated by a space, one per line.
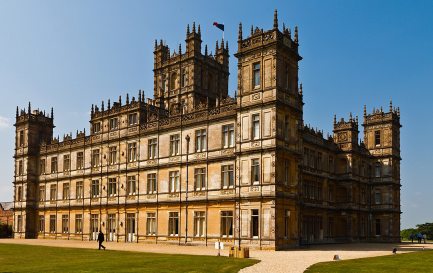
pixel 409 262
pixel 27 258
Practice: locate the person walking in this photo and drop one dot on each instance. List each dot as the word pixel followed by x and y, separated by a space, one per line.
pixel 101 239
pixel 424 236
pixel 419 237
pixel 411 237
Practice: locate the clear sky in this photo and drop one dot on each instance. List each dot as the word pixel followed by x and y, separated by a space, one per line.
pixel 70 54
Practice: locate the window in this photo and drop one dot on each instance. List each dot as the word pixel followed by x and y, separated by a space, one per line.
pixel 20 223
pixel 200 178
pixel 132 152
pixel 174 181
pixel 79 191
pixel 130 186
pixel 42 166
pixel 151 183
pixel 377 138
pixel 53 192
pixel 287 76
pixel 163 84
pixel 227 223
pixel 66 163
pixel 228 135
pixel 255 223
pixel 112 155
pixel 95 158
pixel 152 145
pixel 200 140
pixel 80 160
pixel 256 75
pixel 287 223
pixel 132 119
pixel 54 164
pixel 113 124
pixel 20 167
pixel 331 164
pixel 42 193
pixel 378 233
pixel 52 224
pixel 286 127
pixel 174 144
pixel 21 139
pixel 94 226
pixel 151 223
pixel 78 223
pixel 227 176
pixel 96 127
pixel 111 227
pixel 173 223
pixel 130 227
pixel 41 225
pixel 184 78
pixel 256 126
pixel 173 80
pixel 199 223
pixel 377 198
pixel 65 195
pixel 255 171
pixel 95 188
pixel 19 193
pixel 112 186
pixel 377 170
pixel 65 223
pixel 286 172
pixel 319 161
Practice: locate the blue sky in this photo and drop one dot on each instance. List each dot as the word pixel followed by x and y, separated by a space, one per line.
pixel 70 54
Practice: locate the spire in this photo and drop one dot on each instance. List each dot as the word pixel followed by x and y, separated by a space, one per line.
pixel 156 44
pixel 52 113
pixel 290 33
pixel 17 112
pixel 29 110
pixel 222 43
pixel 102 106
pixel 275 19
pixel 284 27
pixel 365 110
pixel 227 46
pixel 350 117
pixel 187 30
pixel 252 30
pixel 193 27
pixel 120 100
pixel 296 34
pixel 300 89
pixel 127 98
pixel 180 49
pixel 398 111
pixel 205 50
pixel 92 110
pixel 108 104
pixel 335 119
pixel 390 106
pixel 139 95
pixel 240 32
pixel 142 95
pixel 216 47
pixel 199 31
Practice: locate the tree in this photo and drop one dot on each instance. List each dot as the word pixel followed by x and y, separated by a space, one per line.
pixel 427 229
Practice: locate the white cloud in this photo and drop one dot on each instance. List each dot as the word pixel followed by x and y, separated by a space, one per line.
pixel 4 122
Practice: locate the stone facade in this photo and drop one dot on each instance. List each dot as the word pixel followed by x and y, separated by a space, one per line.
pixel 193 165
pixel 6 213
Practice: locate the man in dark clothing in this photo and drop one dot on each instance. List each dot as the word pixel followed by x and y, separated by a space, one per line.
pixel 101 239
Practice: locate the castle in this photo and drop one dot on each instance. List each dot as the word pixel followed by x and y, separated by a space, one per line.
pixel 193 165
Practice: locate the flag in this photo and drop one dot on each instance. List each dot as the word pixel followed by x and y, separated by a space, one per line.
pixel 220 26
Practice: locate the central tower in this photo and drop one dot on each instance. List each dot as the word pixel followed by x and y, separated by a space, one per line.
pixel 185 80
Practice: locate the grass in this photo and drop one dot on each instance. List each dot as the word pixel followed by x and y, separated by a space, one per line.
pixel 409 262
pixel 29 258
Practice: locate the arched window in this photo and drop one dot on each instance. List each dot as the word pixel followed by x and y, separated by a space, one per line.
pixel 184 78
pixel 163 84
pixel 173 80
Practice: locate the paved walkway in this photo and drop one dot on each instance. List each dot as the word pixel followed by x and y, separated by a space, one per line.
pixel 290 261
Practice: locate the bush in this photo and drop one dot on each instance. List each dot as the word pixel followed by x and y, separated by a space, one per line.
pixel 5 231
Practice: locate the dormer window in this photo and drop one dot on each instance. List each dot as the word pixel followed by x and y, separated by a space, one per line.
pixel 132 119
pixel 96 127
pixel 113 123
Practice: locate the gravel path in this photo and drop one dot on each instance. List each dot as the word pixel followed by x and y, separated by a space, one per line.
pixel 290 261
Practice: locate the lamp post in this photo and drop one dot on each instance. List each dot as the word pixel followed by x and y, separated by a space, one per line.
pixel 187 138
